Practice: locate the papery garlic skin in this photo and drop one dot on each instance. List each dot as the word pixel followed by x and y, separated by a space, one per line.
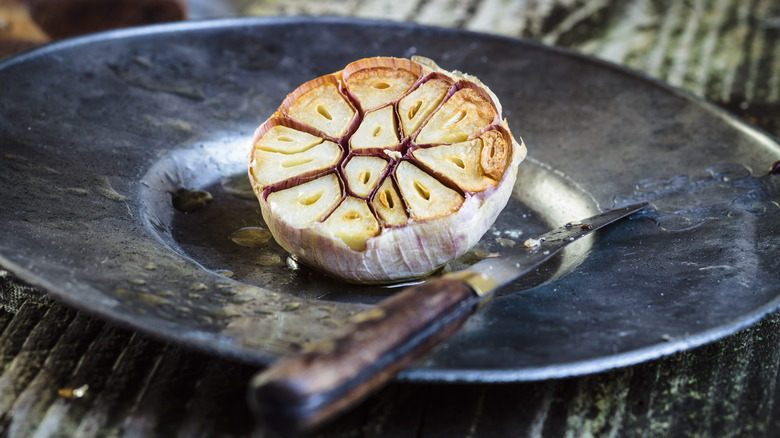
pixel 390 246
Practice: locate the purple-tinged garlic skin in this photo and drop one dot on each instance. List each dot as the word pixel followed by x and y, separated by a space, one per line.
pixel 426 164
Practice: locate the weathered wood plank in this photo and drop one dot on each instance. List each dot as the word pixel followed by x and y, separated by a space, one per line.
pixel 171 378
pixel 110 385
pixel 31 406
pixel 723 50
pixel 136 383
pixel 397 410
pixel 217 405
pixel 15 334
pixel 120 386
pixel 30 358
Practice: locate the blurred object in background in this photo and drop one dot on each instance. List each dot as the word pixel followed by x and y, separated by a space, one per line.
pixel 204 9
pixel 27 23
pixel 67 18
pixel 17 24
pixel 18 31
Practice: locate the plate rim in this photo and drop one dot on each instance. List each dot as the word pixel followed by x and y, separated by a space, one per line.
pixel 570 369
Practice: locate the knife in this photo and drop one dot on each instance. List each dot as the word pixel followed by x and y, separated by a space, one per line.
pixel 301 392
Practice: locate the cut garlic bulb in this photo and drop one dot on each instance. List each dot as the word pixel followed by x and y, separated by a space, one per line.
pixel 384 171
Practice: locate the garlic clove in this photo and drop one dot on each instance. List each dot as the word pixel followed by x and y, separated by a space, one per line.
pixel 272 167
pixel 496 153
pixel 474 165
pixel 377 81
pixel 465 112
pixel 363 174
pixel 353 223
pixel 286 140
pixel 301 205
pixel 416 106
pixel 388 204
pixel 426 196
pixel 377 130
pixel 320 104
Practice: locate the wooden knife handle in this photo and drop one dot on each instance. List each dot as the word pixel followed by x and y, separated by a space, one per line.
pixel 304 391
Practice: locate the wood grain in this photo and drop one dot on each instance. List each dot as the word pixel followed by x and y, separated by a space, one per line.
pixel 302 392
pixel 726 51
pixel 723 50
pixel 141 387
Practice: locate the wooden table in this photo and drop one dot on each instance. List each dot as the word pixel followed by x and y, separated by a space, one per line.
pixel 64 373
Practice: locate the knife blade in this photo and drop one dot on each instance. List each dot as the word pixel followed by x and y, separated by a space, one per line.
pixel 301 392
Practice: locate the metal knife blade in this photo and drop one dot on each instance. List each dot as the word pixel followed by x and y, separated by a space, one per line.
pixel 302 392
pixel 489 274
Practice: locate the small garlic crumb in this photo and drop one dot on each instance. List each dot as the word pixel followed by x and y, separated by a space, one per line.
pixel 513 234
pixel 532 243
pixel 393 154
pixel 289 307
pixel 505 242
pixel 225 273
pixel 79 392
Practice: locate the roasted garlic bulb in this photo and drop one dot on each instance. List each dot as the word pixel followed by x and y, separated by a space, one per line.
pixel 385 170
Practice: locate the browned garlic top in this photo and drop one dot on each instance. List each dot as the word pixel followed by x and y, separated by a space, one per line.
pixel 383 145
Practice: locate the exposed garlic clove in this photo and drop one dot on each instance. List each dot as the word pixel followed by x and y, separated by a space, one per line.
pixel 378 130
pixel 384 171
pixel 286 140
pixel 463 113
pixel 272 167
pixel 320 104
pixel 473 165
pixel 353 223
pixel 416 106
pixel 495 153
pixel 425 196
pixel 363 173
pixel 377 81
pixel 306 203
pixel 388 204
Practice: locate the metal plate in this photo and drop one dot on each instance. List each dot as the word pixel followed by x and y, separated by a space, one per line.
pixel 98 132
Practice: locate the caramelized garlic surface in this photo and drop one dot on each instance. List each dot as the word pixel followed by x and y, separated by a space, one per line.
pixel 385 170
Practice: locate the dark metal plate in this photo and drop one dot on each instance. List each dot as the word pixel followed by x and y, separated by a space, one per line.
pixel 97 133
